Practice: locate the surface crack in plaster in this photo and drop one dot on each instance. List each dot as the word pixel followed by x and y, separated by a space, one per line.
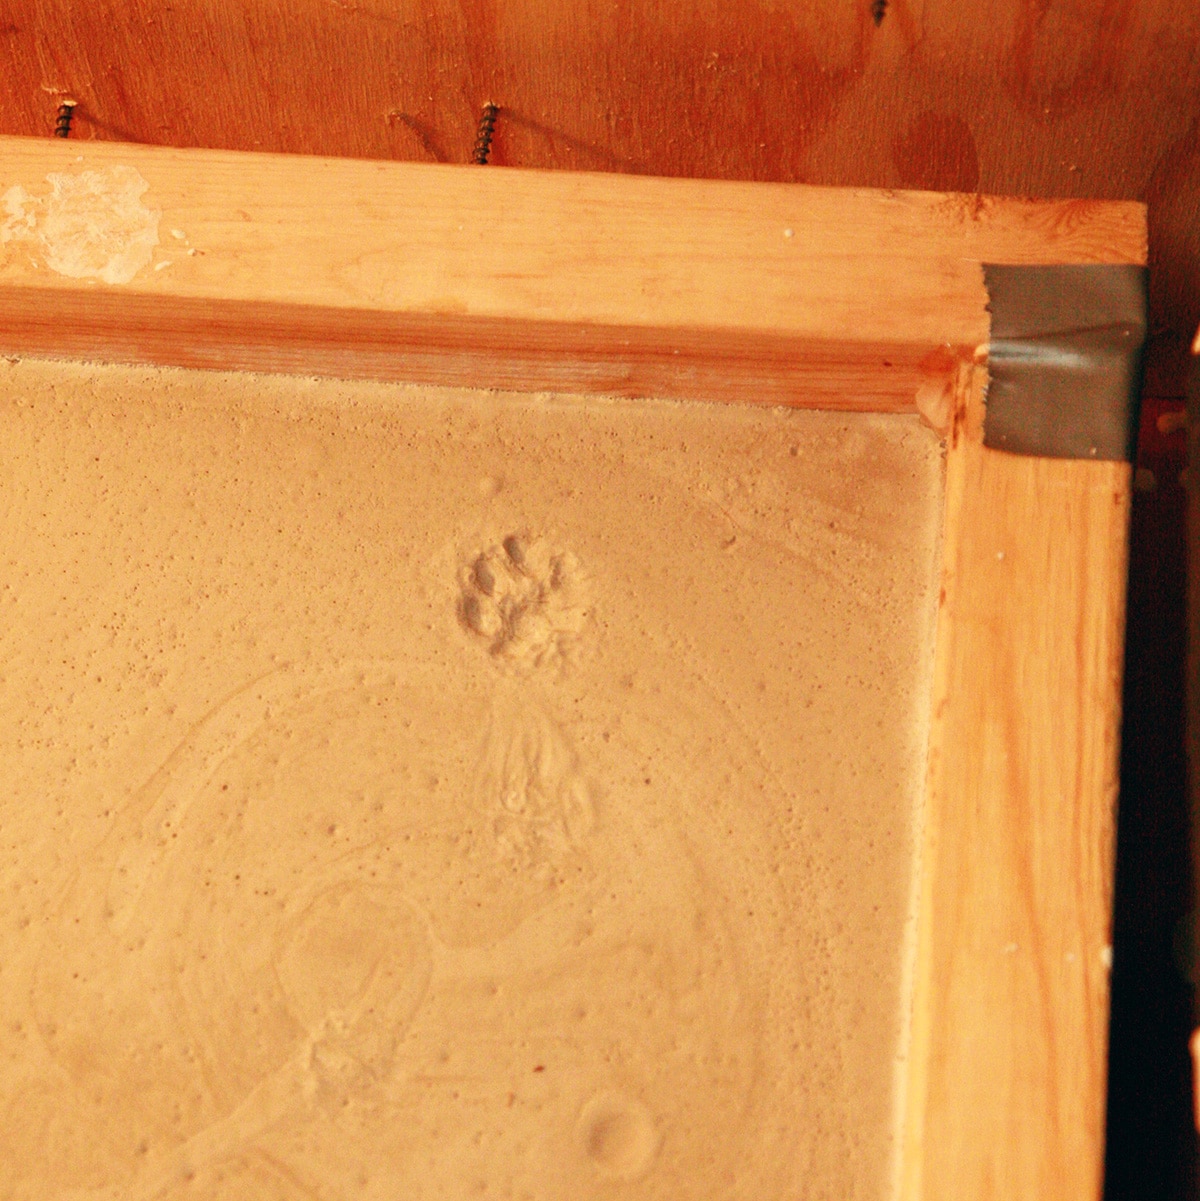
pixel 91 225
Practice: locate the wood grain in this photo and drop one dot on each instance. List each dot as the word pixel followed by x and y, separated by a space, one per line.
pixel 1016 97
pixel 535 279
pixel 1010 1020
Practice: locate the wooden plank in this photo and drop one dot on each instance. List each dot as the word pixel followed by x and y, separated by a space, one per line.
pixel 1010 1022
pixel 994 96
pixel 525 279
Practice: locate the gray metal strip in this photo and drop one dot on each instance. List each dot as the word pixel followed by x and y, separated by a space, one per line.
pixel 1065 359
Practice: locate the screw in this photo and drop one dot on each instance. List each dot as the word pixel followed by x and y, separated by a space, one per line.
pixel 62 125
pixel 483 140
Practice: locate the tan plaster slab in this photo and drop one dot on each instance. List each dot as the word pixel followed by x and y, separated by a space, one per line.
pixel 423 793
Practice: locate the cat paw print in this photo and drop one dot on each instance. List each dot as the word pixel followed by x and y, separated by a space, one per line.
pixel 524 600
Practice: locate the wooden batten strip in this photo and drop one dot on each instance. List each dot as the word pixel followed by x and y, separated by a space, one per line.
pixel 1010 1020
pixel 592 283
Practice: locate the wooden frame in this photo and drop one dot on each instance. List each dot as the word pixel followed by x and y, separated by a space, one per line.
pixel 607 284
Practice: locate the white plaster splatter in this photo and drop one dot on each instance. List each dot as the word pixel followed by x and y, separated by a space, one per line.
pixel 91 225
pixel 20 218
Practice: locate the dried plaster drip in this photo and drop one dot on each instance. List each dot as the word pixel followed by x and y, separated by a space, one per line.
pixel 91 225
